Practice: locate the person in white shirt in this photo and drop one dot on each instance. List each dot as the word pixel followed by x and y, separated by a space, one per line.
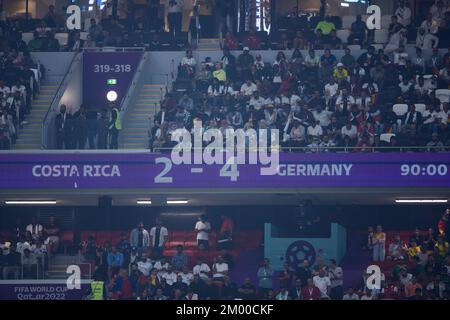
pixel 220 269
pixel 202 227
pixel 396 41
pixel 438 10
pixel 248 88
pixel 170 276
pixel 426 41
pixel 349 130
pixel 336 275
pixel 323 283
pixel 344 101
pixel 367 296
pixel 201 269
pixel 35 228
pixel 257 101
pixel 186 276
pixel 322 116
pixel 187 65
pixel 330 90
pixel 430 25
pixel 161 266
pixel 145 265
pixel 158 237
pixel 5 89
pixel 315 130
pixel 403 14
pixel 350 295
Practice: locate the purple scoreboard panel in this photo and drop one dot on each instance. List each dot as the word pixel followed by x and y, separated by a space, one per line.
pixel 107 71
pixel 295 170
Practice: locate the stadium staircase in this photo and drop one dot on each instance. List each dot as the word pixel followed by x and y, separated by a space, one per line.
pixel 30 135
pixel 57 268
pixel 209 44
pixel 135 133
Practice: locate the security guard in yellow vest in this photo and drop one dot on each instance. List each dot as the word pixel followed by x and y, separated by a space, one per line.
pixel 115 125
pixel 97 290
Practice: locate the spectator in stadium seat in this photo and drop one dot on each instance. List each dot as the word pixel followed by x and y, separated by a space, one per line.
pixel 396 251
pixel 145 265
pixel 122 287
pixel 247 290
pixel 35 228
pixel 442 247
pixel 336 276
pixel 379 244
pixel 229 289
pixel 426 41
pixel 159 296
pixel 295 293
pixel 350 295
pixel 435 145
pixel 220 268
pixel 51 44
pixel 180 285
pixel 202 228
pixel 226 232
pixel 159 235
pixel 52 231
pixel 357 31
pixel 11 264
pixel 265 276
pixel 323 283
pixel 114 260
pixel 411 287
pixel 347 59
pixel 179 260
pixel 190 295
pixel 201 269
pixel 326 26
pixel 252 40
pixel 310 291
pixel 209 291
pixel 29 265
pixel 139 238
pixel 403 14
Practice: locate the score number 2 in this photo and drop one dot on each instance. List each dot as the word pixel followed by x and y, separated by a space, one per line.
pixel 229 169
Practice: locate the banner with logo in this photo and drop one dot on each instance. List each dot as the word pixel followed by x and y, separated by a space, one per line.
pixel 115 170
pixel 40 290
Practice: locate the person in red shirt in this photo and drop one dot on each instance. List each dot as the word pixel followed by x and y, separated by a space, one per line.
pixel 226 232
pixel 310 292
pixel 123 288
pixel 229 42
pixel 253 41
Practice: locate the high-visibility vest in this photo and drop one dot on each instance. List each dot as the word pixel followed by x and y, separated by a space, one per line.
pixel 97 288
pixel 118 123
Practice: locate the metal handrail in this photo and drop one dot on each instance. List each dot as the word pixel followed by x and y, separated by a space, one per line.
pixel 113 49
pixel 62 87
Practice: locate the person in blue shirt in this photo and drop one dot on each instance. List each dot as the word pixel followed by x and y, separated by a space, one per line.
pixel 179 260
pixel 327 63
pixel 114 260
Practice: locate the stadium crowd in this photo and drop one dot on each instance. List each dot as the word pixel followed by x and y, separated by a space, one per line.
pixel 415 269
pixel 25 254
pixel 317 102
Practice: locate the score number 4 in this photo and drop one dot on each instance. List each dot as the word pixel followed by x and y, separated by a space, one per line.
pixel 229 170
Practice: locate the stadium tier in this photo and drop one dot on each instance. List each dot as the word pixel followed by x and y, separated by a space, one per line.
pixel 224 150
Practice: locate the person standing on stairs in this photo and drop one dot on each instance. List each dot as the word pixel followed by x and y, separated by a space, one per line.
pixel 62 123
pixel 115 125
pixel 206 16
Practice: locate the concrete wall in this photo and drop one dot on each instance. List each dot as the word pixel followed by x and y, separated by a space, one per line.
pixel 55 63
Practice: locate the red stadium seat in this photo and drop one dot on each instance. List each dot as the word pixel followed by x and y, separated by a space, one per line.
pixel 66 239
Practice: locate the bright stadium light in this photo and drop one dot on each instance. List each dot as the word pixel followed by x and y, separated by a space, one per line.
pixel 30 202
pixel 177 201
pixel 144 202
pixel 111 96
pixel 421 200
